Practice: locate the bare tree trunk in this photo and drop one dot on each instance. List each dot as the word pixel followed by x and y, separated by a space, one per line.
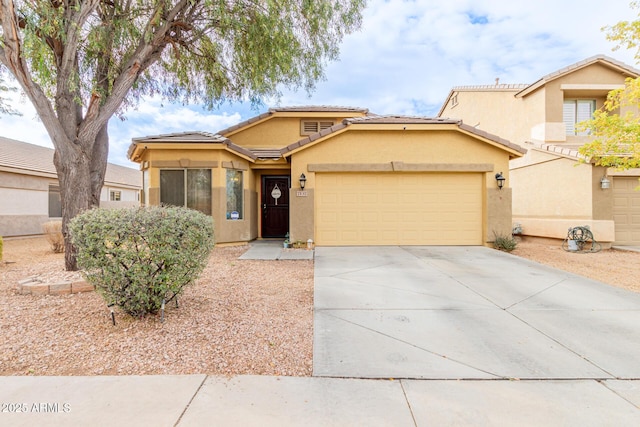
pixel 75 192
pixel 99 158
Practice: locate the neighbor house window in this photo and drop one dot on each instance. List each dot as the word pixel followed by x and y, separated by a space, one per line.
pixel 115 196
pixel 454 100
pixel 575 111
pixel 308 127
pixel 55 202
pixel 234 194
pixel 186 187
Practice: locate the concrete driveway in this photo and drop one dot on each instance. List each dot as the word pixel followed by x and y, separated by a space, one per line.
pixel 467 313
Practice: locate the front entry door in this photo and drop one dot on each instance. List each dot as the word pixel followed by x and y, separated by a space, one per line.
pixel 275 206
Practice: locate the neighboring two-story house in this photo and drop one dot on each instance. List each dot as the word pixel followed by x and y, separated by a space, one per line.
pixel 30 192
pixel 336 175
pixel 552 190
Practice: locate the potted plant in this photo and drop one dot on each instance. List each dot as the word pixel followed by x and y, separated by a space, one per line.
pixel 287 242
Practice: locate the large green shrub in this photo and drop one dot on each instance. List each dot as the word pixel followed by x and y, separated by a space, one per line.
pixel 136 258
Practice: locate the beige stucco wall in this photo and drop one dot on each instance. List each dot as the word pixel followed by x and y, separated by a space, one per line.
pixel 536 115
pixel 279 131
pixel 498 112
pixel 372 148
pixel 301 213
pixel 552 194
pixel 214 157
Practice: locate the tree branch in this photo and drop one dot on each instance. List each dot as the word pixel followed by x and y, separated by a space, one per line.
pixel 12 59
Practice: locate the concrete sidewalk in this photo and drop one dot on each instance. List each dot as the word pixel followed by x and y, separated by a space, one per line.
pixel 198 400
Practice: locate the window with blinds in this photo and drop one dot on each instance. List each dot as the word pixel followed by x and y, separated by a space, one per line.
pixel 308 127
pixel 575 111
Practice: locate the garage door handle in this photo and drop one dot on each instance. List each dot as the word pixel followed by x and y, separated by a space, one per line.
pixel 264 210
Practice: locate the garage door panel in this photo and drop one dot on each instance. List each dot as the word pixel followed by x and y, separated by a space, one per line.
pixel 391 209
pixel 626 210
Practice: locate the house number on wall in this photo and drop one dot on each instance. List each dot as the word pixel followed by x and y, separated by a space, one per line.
pixel 276 193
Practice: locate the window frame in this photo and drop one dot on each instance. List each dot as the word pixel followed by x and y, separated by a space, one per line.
pixel 229 210
pixel 54 196
pixel 115 195
pixel 570 128
pixel 185 188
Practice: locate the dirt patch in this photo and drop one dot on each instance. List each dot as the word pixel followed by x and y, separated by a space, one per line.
pixel 241 317
pixel 614 267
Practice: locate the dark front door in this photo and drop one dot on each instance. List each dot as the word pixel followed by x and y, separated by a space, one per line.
pixel 275 206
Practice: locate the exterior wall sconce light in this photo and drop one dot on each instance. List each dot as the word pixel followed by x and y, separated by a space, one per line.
pixel 605 183
pixel 303 181
pixel 500 180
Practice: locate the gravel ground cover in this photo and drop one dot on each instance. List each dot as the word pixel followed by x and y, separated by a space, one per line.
pixel 241 317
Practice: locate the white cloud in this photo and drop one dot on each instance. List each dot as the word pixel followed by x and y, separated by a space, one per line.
pixel 406 58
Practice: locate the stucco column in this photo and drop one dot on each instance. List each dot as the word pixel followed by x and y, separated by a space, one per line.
pixel 499 219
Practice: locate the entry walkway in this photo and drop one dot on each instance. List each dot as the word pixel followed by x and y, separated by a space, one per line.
pixel 274 250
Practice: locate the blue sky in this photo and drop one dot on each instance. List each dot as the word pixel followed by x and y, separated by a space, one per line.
pixel 405 59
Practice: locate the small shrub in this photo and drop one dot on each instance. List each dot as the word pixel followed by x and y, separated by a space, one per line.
pixel 504 242
pixel 138 257
pixel 53 233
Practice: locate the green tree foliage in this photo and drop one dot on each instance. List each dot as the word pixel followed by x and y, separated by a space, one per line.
pixel 616 129
pixel 136 258
pixel 616 126
pixel 81 61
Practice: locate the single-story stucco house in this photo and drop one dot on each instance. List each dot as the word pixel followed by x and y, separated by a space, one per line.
pixel 30 192
pixel 337 176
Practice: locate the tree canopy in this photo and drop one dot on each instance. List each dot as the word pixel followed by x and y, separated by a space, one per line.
pixel 80 62
pixel 616 126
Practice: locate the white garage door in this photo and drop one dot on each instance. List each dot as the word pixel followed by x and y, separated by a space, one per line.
pixel 626 210
pixel 398 209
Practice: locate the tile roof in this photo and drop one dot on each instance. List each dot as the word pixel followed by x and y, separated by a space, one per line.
pixel 523 89
pixel 295 109
pixel 30 159
pixel 491 88
pixel 190 137
pixel 397 119
pixel 632 72
pixel 266 153
pixel 321 108
pixel 565 151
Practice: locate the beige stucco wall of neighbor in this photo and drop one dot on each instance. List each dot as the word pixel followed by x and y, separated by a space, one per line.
pixel 24 205
pixel 370 149
pixel 499 112
pixel 552 194
pixel 536 115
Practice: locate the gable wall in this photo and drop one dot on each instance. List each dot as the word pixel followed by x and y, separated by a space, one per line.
pixel 595 74
pixel 278 132
pixel 497 112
